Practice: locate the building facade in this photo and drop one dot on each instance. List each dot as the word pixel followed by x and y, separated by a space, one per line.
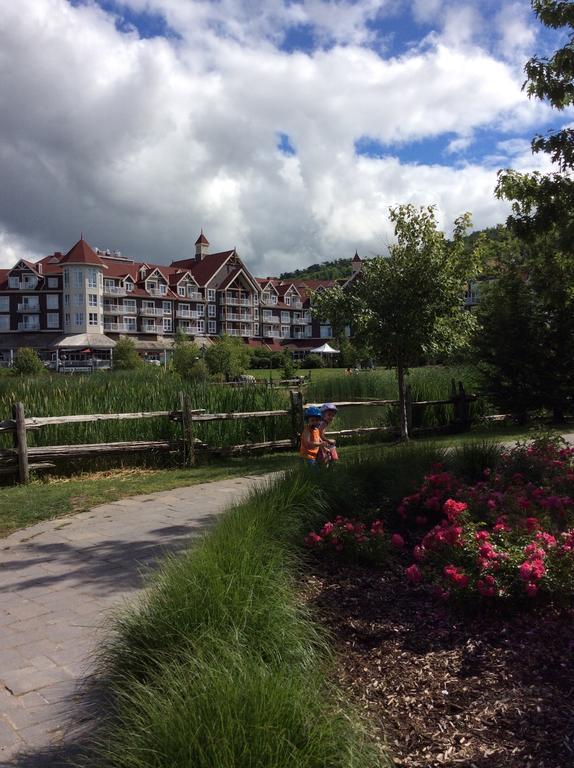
pixel 70 306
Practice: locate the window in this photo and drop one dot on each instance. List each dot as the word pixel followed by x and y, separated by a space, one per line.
pixel 212 326
pixel 211 294
pixel 79 278
pixel 66 299
pixel 181 290
pixel 167 325
pixel 5 322
pixel 67 318
pixel 288 300
pixel 273 298
pixel 93 318
pixel 256 330
pixel 285 331
pixel 129 286
pixel 30 281
pixel 92 299
pixel 4 304
pixel 151 286
pixel 53 320
pixel 256 313
pixel 201 326
pixel 285 317
pixel 163 289
pixel 52 282
pixel 167 307
pixel 211 310
pixel 66 277
pixel 200 309
pixel 79 318
pixel 13 282
pixel 130 306
pixel 130 323
pixel 326 332
pixel 92 278
pixel 79 299
pixel 31 302
pixel 308 331
pixel 256 298
pixel 52 301
pixel 184 307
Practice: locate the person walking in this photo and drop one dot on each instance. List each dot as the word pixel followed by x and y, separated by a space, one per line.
pixel 311 440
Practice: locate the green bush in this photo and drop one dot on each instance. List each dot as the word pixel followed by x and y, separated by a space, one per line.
pixel 125 356
pixel 313 360
pixel 27 362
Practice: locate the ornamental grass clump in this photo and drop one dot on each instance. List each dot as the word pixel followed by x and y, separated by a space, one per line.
pixel 505 538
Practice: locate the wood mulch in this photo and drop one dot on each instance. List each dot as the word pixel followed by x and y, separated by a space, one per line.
pixel 442 688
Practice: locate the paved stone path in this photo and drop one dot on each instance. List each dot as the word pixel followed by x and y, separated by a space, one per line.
pixel 59 580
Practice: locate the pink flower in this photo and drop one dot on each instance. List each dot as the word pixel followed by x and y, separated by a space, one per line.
pixel 530 523
pixel 531 589
pixel 453 509
pixel 313 539
pixel 414 574
pixel 327 529
pixel 397 541
pixel 482 535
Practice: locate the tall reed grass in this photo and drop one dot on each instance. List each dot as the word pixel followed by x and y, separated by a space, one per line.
pixel 222 666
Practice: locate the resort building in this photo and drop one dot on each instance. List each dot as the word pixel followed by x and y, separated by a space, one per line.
pixel 74 307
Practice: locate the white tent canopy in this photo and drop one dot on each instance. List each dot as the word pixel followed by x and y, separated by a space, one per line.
pixel 325 349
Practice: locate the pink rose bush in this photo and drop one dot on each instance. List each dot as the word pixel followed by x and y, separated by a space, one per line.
pixel 507 537
pixel 353 538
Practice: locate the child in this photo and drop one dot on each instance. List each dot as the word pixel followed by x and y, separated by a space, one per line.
pixel 328 451
pixel 311 439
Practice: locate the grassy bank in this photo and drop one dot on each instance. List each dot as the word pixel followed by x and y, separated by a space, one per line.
pixel 221 666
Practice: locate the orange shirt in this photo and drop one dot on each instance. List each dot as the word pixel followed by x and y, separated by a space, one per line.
pixel 310 435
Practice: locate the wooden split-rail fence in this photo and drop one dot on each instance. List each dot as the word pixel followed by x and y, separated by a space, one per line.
pixel 21 459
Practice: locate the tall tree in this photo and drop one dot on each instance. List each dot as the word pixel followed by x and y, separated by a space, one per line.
pixel 409 304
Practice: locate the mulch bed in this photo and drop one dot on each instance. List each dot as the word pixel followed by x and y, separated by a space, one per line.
pixel 446 689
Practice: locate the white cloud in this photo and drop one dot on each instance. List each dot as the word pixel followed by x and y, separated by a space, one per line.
pixel 139 143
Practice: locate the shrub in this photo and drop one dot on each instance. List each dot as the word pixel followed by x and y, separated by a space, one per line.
pixel 227 358
pixel 289 365
pixel 27 362
pixel 186 360
pixel 354 539
pixel 313 360
pixel 508 536
pixel 125 356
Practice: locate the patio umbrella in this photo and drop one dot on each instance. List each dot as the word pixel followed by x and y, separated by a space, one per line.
pixel 325 349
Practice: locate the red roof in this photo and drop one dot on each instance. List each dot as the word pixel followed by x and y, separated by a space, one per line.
pixel 202 239
pixel 203 271
pixel 81 253
pixel 356 257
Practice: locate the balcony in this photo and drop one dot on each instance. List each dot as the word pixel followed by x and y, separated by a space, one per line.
pixel 195 296
pixel 270 333
pixel 296 304
pixel 233 332
pixel 29 326
pixel 23 285
pixel 298 335
pixel 189 314
pixel 190 330
pixel 157 292
pixel 119 328
pixel 113 309
pixel 233 302
pixel 28 307
pixel 114 290
pixel 152 328
pixel 130 309
pixel 271 320
pixel 151 311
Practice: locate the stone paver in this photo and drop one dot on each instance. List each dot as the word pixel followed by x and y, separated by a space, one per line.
pixel 59 580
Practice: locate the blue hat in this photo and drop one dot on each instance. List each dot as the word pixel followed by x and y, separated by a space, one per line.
pixel 311 411
pixel 328 407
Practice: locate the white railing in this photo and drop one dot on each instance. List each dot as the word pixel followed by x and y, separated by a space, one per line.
pixel 130 310
pixel 195 297
pixel 119 328
pixel 270 332
pixel 190 329
pixel 152 329
pixel 232 332
pixel 114 290
pixel 22 286
pixel 151 311
pixel 190 314
pixel 113 309
pixel 156 292
pixel 271 320
pixel 297 304
pixel 28 327
pixel 28 307
pixel 230 300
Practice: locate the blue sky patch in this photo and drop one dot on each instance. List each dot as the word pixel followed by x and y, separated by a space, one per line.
pixel 285 145
pixel 146 24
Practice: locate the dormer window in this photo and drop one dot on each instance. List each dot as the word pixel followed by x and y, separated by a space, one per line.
pixel 13 282
pixel 163 289
pixel 273 298
pixel 288 300
pixel 143 272
pixel 129 286
pixel 181 290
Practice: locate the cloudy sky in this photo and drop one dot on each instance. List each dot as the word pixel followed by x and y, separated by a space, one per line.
pixel 285 128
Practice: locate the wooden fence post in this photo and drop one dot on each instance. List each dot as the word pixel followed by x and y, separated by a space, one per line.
pixel 297 421
pixel 188 444
pixel 464 408
pixel 409 408
pixel 21 442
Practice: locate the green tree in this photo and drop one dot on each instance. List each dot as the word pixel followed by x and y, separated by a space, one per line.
pixel 186 359
pixel 409 303
pixel 27 362
pixel 125 355
pixel 289 367
pixel 227 358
